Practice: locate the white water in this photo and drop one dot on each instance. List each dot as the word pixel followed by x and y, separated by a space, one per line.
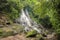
pixel 27 23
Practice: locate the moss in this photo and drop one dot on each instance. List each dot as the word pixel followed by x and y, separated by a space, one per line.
pixel 1 32
pixel 39 36
pixel 4 33
pixel 17 28
pixel 31 33
pixel 7 34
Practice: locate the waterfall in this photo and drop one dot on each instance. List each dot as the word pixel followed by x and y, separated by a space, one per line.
pixel 27 22
pixel 25 19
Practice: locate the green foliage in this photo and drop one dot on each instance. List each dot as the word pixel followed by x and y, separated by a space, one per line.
pixel 47 12
pixel 14 8
pixel 11 7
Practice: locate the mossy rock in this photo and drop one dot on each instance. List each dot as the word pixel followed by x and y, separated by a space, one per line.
pixel 10 30
pixel 39 36
pixel 5 34
pixel 1 32
pixel 31 33
pixel 17 28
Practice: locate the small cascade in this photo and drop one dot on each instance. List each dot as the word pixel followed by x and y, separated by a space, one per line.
pixel 24 19
pixel 27 22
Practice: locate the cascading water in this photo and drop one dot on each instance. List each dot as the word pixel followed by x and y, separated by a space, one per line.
pixel 27 23
pixel 25 19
